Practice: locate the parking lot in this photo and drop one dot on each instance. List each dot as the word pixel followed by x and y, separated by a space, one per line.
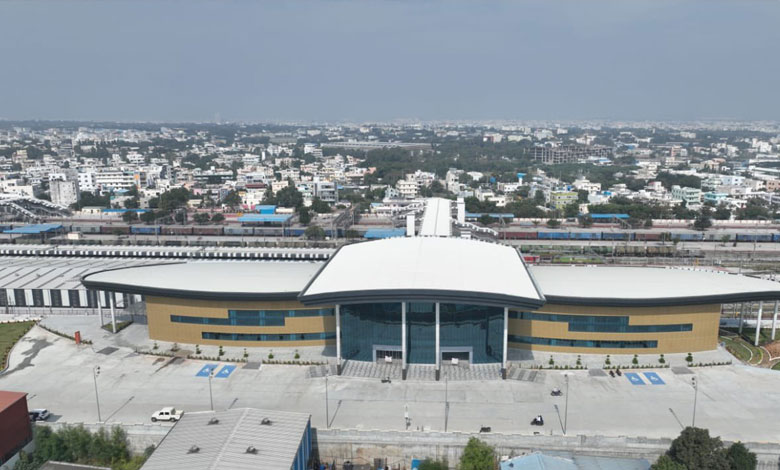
pixel 735 402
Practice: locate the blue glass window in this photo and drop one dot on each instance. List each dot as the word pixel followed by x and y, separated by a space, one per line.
pixel 583 343
pixel 254 317
pixel 364 326
pixel 268 337
pixel 600 324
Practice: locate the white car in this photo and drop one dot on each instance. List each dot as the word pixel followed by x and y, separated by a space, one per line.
pixel 167 414
pixel 38 414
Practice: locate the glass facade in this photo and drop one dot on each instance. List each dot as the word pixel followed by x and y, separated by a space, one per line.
pixel 474 329
pixel 421 333
pixel 583 343
pixel 254 317
pixel 472 326
pixel 600 324
pixel 267 337
pixel 364 326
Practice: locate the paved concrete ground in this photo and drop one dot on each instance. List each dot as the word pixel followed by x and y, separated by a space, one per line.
pixel 736 402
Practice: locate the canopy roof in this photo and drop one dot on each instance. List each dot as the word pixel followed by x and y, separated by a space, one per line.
pixel 429 269
pixel 236 280
pixel 635 286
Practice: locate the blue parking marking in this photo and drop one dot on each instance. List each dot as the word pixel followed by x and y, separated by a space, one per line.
pixel 654 378
pixel 206 370
pixel 225 372
pixel 634 378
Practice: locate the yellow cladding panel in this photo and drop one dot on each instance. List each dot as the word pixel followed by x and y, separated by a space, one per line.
pixel 160 309
pixel 703 336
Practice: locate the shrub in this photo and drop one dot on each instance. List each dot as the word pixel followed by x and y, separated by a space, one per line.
pixel 635 360
pixel 607 361
pixel 197 349
pixel 221 352
pixel 246 354
pixel 689 358
pixel 155 347
pixel 579 360
pixel 551 361
pixel 661 359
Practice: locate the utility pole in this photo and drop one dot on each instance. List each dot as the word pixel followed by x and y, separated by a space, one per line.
pixel 95 373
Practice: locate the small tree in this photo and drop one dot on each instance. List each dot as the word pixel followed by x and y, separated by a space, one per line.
pixel 304 216
pixel 740 458
pixel 217 218
pixel 551 361
pixel 553 223
pixel 635 360
pixel 130 216
pixel 314 232
pixel 486 220
pixel 665 462
pixel 477 456
pixel 429 464
pixel 689 358
pixel 694 448
pixel 661 359
pixel 607 361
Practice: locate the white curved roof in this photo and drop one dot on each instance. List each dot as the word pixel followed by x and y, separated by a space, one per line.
pixel 208 280
pixel 425 269
pixel 611 285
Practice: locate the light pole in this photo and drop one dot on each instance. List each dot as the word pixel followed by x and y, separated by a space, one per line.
pixel 327 412
pixel 446 402
pixel 566 409
pixel 95 373
pixel 695 397
pixel 211 396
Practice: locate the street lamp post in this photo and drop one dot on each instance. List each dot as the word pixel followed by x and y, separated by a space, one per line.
pixel 446 402
pixel 95 373
pixel 566 409
pixel 327 412
pixel 211 396
pixel 695 398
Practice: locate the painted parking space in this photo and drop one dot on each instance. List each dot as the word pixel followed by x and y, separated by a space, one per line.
pixel 225 372
pixel 634 378
pixel 654 378
pixel 206 370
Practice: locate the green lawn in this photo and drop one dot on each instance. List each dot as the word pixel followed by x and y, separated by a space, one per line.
pixel 10 333
pixel 744 351
pixel 776 366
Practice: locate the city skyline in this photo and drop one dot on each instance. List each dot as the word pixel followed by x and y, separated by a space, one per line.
pixel 384 61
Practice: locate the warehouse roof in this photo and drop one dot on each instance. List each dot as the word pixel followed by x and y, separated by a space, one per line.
pixel 643 286
pixel 425 269
pixel 239 280
pixel 35 229
pixel 9 398
pixel 23 272
pixel 194 444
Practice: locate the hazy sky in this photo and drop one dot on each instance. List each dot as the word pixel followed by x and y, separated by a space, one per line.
pixel 379 60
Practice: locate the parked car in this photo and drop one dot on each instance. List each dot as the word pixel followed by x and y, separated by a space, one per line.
pixel 39 414
pixel 167 414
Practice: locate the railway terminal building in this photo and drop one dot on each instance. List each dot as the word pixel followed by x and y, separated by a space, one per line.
pixel 424 300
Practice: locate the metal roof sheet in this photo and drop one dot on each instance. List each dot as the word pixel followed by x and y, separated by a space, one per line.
pixel 224 445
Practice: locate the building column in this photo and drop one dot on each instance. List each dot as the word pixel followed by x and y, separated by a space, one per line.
pixel 438 344
pixel 758 320
pixel 403 340
pixel 338 339
pixel 741 316
pixel 774 322
pixel 100 306
pixel 506 343
pixel 111 301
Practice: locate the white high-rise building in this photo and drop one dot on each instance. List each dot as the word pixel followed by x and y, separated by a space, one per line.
pixel 64 192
